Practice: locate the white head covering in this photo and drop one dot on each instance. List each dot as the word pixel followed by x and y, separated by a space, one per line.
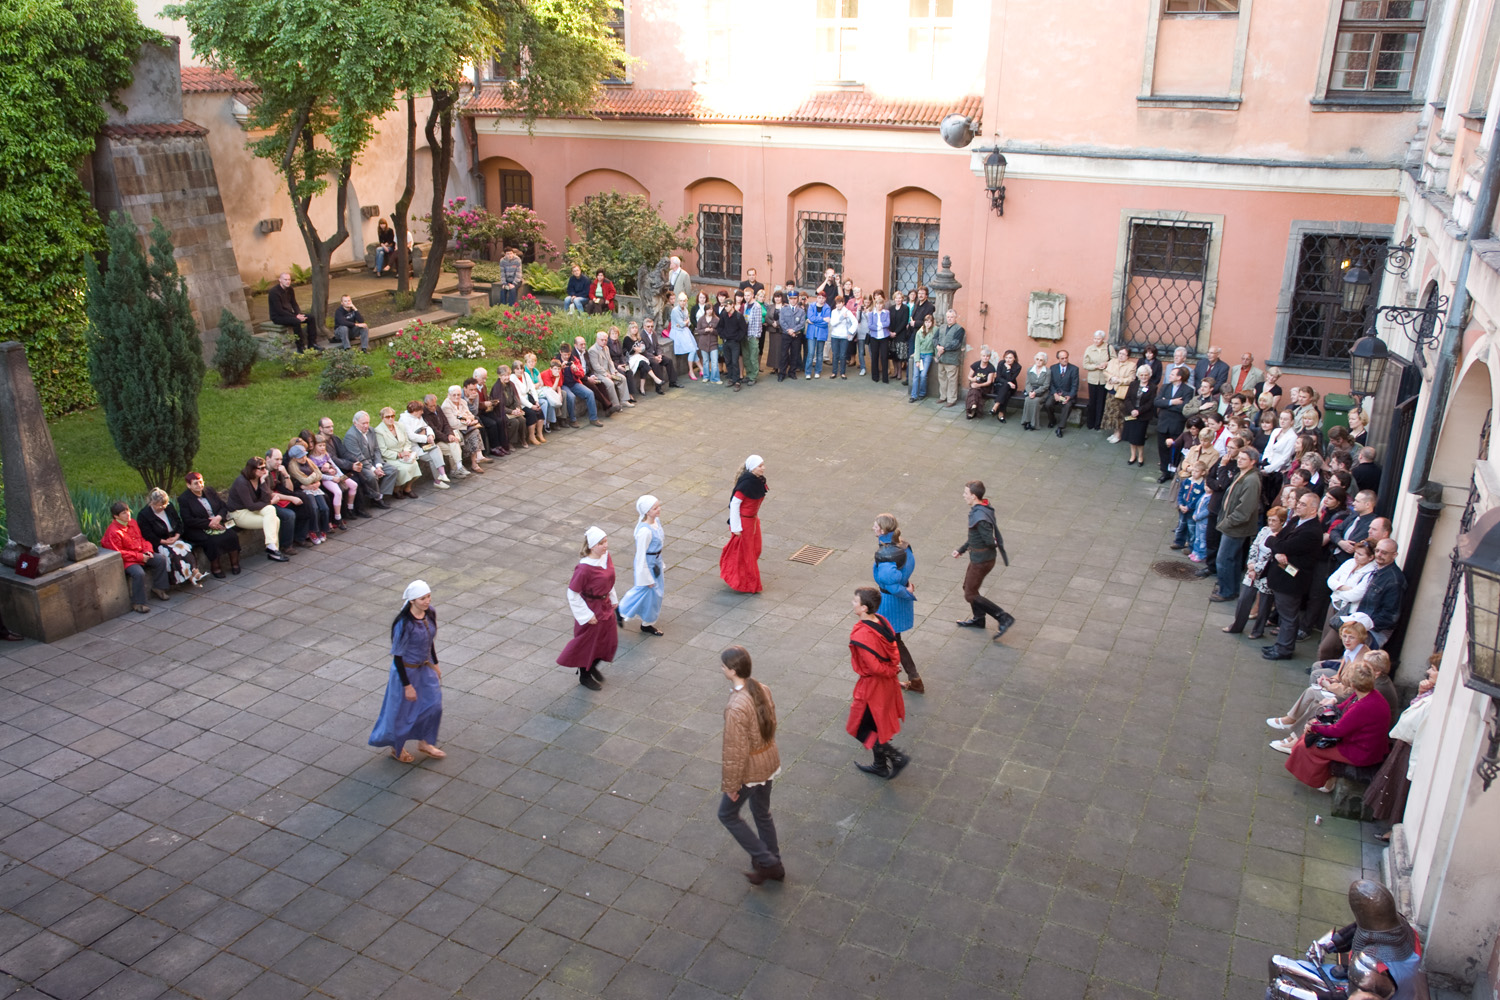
pixel 753 462
pixel 414 590
pixel 1360 618
pixel 594 536
pixel 644 504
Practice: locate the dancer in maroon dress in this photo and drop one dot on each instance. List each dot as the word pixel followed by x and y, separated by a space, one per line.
pixel 878 708
pixel 591 598
pixel 739 563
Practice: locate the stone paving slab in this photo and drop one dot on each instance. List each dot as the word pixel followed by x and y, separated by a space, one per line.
pixel 190 807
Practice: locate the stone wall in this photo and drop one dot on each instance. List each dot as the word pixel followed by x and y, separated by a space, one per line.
pixel 166 171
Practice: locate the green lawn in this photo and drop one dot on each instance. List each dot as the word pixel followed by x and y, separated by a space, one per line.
pixel 244 421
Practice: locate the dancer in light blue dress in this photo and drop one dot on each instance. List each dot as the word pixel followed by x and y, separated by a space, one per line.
pixel 643 600
pixel 413 706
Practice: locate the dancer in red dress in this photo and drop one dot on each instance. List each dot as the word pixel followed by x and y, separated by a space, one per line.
pixel 739 563
pixel 591 598
pixel 878 708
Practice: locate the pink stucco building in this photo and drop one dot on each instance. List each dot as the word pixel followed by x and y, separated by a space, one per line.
pixel 1185 171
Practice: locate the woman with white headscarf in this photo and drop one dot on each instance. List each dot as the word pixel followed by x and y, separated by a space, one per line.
pixel 591 598
pixel 739 563
pixel 413 706
pixel 644 599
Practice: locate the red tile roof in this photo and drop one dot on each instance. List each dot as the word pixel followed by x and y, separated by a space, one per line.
pixel 202 80
pixel 154 130
pixel 848 108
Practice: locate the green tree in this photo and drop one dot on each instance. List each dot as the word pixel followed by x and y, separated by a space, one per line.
pixel 327 71
pixel 60 62
pixel 145 356
pixel 620 232
pixel 236 350
pixel 559 50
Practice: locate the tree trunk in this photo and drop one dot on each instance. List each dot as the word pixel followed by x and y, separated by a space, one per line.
pixel 439 123
pixel 319 250
pixel 403 203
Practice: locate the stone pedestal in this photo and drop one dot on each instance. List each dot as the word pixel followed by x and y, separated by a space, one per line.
pixel 464 305
pixel 465 269
pixel 71 598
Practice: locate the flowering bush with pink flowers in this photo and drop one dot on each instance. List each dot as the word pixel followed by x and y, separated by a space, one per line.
pixel 471 229
pixel 527 327
pixel 416 352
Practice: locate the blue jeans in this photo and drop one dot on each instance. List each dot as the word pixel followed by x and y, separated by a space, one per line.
pixel 508 296
pixel 1200 538
pixel 814 361
pixel 1229 564
pixel 1184 532
pixel 920 366
pixel 840 356
pixel 858 353
pixel 584 393
pixel 760 843
pixel 709 360
pixel 380 253
pixel 573 303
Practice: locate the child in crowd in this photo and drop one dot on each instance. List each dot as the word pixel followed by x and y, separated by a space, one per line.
pixel 1200 513
pixel 1190 489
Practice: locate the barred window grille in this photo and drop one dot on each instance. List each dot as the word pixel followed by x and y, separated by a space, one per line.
pixel 1166 270
pixel 719 241
pixel 1319 332
pixel 1455 571
pixel 820 245
pixel 914 251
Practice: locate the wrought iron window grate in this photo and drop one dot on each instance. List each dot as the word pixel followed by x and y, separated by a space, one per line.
pixel 820 245
pixel 1319 332
pixel 914 251
pixel 720 229
pixel 1166 271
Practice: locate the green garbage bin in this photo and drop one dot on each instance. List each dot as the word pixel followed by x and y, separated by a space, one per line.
pixel 1336 409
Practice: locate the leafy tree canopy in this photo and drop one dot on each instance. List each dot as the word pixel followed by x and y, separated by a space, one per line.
pixel 620 232
pixel 60 62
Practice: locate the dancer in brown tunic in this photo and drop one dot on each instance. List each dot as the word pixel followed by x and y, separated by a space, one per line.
pixel 591 598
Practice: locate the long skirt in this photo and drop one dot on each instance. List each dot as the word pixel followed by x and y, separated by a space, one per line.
pixel 645 602
pixel 1135 432
pixel 1386 795
pixel 401 720
pixel 739 564
pixel 1309 765
pixel 1114 414
pixel 1030 408
pixel 180 561
pixel 592 643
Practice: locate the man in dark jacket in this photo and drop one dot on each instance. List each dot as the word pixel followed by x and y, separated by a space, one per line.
pixel 1218 479
pixel 1170 422
pixel 982 545
pixel 734 331
pixel 1211 367
pixel 351 465
pixel 286 313
pixel 1383 594
pixel 1294 553
pixel 1064 392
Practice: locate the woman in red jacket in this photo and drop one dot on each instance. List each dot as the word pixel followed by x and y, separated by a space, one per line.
pixel 124 536
pixel 1364 720
pixel 878 708
pixel 601 295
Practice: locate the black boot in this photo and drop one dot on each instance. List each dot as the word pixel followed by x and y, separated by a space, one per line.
pixel 585 677
pixel 881 768
pixel 896 759
pixel 595 673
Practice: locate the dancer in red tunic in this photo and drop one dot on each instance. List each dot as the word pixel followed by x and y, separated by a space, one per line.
pixel 591 598
pixel 878 708
pixel 739 563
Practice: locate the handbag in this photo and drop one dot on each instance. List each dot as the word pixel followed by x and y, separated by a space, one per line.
pixel 1316 741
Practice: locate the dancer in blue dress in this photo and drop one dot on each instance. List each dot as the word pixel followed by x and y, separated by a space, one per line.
pixel 643 600
pixel 895 562
pixel 413 706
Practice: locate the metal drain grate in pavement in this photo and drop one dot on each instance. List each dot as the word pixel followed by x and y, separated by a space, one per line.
pixel 811 554
pixel 1172 569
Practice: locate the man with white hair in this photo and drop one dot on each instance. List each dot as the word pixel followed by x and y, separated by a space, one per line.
pixel 361 446
pixel 1095 361
pixel 679 279
pixel 490 414
pixel 602 367
pixel 1210 366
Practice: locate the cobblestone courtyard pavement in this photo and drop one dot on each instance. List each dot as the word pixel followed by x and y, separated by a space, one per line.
pixel 189 806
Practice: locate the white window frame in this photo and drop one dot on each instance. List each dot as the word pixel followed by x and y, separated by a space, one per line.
pixel 847 62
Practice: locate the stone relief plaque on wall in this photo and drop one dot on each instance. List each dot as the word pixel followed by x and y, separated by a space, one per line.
pixel 1044 316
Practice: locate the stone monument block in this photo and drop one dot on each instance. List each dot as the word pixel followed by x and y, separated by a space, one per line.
pixel 76 587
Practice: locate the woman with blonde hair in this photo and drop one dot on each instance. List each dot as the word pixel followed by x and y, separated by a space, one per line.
pixel 1356 736
pixel 684 344
pixel 397 454
pixel 161 528
pixel 1119 374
